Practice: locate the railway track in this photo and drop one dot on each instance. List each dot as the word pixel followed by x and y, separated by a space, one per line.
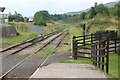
pixel 21 46
pixel 24 69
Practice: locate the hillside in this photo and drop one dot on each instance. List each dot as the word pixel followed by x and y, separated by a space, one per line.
pixel 111 4
pixel 78 12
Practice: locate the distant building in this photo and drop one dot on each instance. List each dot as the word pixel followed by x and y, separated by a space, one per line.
pixel 26 20
pixel 3 17
pixel 30 20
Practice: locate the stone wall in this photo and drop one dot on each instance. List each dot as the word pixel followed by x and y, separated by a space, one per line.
pixel 7 31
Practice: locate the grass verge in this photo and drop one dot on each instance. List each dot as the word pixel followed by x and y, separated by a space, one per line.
pixel 113 66
pixel 17 39
pixel 79 61
pixel 47 51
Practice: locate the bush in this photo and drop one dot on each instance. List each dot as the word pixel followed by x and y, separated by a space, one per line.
pixel 100 15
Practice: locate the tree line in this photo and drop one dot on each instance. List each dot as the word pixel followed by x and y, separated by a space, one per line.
pixel 99 10
pixel 43 17
pixel 17 17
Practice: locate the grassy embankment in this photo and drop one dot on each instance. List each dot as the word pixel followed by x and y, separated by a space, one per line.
pixel 103 24
pixel 17 39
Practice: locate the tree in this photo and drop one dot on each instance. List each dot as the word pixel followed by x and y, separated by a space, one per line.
pixel 95 4
pixel 82 15
pixel 41 17
pixel 87 16
pixel 57 17
pixel 16 17
pixel 92 12
pixel 101 9
pixel 115 11
pixel 98 9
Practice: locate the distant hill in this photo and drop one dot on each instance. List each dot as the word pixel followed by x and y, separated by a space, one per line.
pixel 78 12
pixel 111 4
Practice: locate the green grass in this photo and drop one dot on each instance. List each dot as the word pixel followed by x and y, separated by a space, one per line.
pixel 47 51
pixel 79 61
pixel 113 68
pixel 17 39
pixel 74 31
pixel 41 42
pixel 103 23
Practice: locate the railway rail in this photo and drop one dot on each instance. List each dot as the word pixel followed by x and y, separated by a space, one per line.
pixel 38 61
pixel 36 39
pixel 21 46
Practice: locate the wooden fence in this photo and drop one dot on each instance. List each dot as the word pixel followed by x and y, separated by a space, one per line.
pixel 87 46
pixel 100 54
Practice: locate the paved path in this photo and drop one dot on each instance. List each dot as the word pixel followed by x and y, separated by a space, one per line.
pixel 68 70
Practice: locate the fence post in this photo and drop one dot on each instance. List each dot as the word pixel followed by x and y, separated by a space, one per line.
pixel 91 38
pixel 92 53
pixel 73 45
pixel 100 52
pixel 107 55
pixel 115 41
pixel 103 53
pixel 84 39
pixel 96 54
pixel 74 48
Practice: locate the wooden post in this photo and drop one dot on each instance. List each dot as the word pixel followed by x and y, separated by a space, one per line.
pixel 115 41
pixel 73 43
pixel 96 54
pixel 84 39
pixel 100 52
pixel 91 38
pixel 93 53
pixel 103 53
pixel 74 48
pixel 107 56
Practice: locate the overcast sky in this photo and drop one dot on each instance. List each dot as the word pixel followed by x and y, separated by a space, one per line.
pixel 29 7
